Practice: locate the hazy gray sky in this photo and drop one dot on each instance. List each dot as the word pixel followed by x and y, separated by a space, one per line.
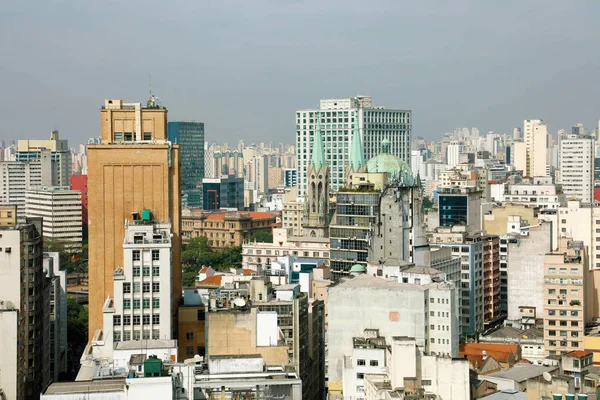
pixel 243 67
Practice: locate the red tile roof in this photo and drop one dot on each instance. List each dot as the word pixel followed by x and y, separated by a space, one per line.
pixel 248 271
pixel 500 352
pixel 214 280
pixel 204 269
pixel 578 353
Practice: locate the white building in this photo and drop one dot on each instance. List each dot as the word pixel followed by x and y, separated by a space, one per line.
pixel 576 161
pixel 408 367
pixel 29 150
pixel 257 255
pixel 140 314
pixel 61 211
pixel 455 153
pixel 525 275
pixel 538 194
pixel 368 357
pixel 337 120
pixel 426 313
pixel 16 177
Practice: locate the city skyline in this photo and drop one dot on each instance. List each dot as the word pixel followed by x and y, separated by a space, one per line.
pixel 279 57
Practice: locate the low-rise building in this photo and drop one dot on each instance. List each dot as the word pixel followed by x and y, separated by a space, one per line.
pixel 224 228
pixel 260 255
pixel 531 341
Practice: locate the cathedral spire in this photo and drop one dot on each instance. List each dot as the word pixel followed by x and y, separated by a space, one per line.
pixel 357 156
pixel 318 152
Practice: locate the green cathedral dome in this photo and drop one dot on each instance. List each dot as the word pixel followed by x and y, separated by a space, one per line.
pixel 387 162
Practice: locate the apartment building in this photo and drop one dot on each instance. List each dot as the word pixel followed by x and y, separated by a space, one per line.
pixel 565 295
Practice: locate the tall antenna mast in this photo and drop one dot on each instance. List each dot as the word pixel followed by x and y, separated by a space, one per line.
pixel 150 83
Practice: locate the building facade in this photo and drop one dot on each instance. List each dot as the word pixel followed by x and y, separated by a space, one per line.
pixel 225 229
pixel 61 213
pixel 226 192
pixel 565 298
pixel 337 117
pixel 576 161
pixel 24 311
pixel 190 138
pixel 60 154
pixel 20 176
pixel 134 168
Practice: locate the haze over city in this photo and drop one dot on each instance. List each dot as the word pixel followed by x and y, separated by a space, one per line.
pixel 243 68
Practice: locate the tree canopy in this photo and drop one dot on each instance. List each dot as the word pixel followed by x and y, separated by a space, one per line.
pixel 262 237
pixel 198 253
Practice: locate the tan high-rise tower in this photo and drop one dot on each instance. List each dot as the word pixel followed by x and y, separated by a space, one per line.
pixel 135 168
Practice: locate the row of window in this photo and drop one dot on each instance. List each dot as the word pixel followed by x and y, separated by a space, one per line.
pixel 145 270
pixel 137 335
pixel 362 362
pixel 145 287
pixel 127 320
pixel 145 303
pixel 136 255
pixel 129 136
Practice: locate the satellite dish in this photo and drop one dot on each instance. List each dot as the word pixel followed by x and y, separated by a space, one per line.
pixel 238 302
pixel 547 376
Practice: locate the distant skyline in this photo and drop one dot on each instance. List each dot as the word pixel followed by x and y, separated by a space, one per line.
pixel 243 68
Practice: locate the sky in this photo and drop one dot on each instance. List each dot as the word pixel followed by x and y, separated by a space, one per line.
pixel 243 67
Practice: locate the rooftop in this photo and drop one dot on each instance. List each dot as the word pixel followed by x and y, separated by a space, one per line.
pixel 109 385
pixel 145 344
pixel 506 395
pixel 522 372
pixel 474 352
pixel 578 353
pixel 370 282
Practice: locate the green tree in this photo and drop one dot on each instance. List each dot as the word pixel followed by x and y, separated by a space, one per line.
pixel 77 335
pixel 262 237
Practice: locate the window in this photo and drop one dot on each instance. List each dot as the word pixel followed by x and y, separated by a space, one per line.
pixel 147 135
pixel 432 327
pixel 136 320
pixel 136 271
pixel 128 136
pixel 426 382
pixel 146 319
pixel 155 302
pixel 126 287
pixel 126 304
pixel 374 363
pixel 155 255
pixel 146 303
pixel 201 315
pixel 136 287
pixel 155 270
pixel 361 362
pixel 156 287
pixel 126 321
pixel 118 136
pixel 126 335
pixel 432 313
pixel 116 320
pixel 189 350
pixel 146 270
pixel 136 335
pixel 360 375
pixel 136 255
pixel 156 318
pixel 189 335
pixel 136 304
pixel 146 334
pixel 552 333
pixel 146 287
pixel 155 334
pixel 116 336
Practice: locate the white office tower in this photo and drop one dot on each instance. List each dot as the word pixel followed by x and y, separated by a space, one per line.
pixel 417 163
pixel 60 210
pixel 337 121
pixel 138 320
pixel 576 161
pixel 142 300
pixel 456 153
pixel 16 177
pixel 535 134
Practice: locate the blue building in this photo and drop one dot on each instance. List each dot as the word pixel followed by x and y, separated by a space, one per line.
pixel 290 177
pixel 190 137
pixel 223 193
pixel 460 206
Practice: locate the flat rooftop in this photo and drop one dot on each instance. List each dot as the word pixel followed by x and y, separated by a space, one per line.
pixel 106 385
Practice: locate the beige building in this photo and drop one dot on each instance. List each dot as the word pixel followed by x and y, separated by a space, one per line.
pixel 134 168
pixel 535 134
pixel 255 255
pixel 224 228
pixel 564 298
pixel 495 222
